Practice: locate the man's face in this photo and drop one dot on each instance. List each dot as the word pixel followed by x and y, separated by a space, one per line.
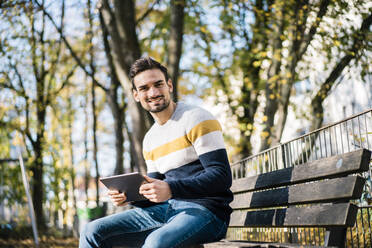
pixel 152 91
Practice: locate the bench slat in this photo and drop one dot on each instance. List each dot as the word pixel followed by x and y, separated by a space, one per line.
pixel 246 244
pixel 340 165
pixel 325 215
pixel 344 188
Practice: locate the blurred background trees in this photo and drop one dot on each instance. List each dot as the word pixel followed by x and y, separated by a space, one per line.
pixel 65 93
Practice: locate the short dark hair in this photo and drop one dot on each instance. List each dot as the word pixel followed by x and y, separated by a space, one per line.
pixel 144 64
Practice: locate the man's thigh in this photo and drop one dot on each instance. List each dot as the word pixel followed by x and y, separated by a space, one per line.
pixel 187 227
pixel 129 227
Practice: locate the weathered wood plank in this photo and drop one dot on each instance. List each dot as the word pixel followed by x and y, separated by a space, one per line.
pixel 331 190
pixel 340 165
pixel 246 244
pixel 325 215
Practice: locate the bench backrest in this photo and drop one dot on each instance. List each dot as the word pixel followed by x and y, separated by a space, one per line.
pixel 315 194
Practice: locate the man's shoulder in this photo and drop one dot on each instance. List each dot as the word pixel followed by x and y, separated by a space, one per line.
pixel 150 132
pixel 185 118
pixel 194 113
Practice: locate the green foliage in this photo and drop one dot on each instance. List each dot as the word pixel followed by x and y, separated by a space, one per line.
pixel 262 48
pixel 245 54
pixel 367 192
pixel 12 190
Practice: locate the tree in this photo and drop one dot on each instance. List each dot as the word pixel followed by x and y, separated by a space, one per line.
pixel 267 42
pixel 355 52
pixel 93 98
pixel 54 60
pixel 120 20
pixel 119 23
pixel 35 69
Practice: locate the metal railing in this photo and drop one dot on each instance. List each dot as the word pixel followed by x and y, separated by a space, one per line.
pixel 347 135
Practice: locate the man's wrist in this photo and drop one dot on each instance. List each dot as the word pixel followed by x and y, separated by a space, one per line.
pixel 169 190
pixel 172 188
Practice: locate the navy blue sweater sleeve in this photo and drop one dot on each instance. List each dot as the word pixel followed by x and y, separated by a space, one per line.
pixel 214 180
pixel 204 132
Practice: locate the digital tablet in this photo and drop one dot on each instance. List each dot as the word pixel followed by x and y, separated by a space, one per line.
pixel 128 183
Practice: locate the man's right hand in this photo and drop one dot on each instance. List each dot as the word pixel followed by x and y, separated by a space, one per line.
pixel 117 198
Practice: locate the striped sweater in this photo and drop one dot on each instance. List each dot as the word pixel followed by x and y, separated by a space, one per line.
pixel 188 152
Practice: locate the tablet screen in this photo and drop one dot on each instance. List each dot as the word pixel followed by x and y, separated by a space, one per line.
pixel 128 183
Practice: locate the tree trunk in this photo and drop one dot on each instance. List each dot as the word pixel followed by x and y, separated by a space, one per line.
pixel 41 104
pixel 175 42
pixel 93 103
pixel 71 151
pixel 119 116
pixel 94 128
pixel 272 86
pixel 38 186
pixel 66 209
pixel 118 111
pixel 86 164
pixel 121 25
pixel 360 40
pixel 298 49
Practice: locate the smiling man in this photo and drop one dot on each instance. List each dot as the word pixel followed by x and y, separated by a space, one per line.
pixel 188 173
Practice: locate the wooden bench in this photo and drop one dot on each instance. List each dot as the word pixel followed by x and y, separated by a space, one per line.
pixel 315 194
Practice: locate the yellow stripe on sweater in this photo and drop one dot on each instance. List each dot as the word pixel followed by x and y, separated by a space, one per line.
pixel 183 142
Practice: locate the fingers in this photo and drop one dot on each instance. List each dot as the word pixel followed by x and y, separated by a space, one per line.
pixel 146 186
pixel 152 197
pixel 148 191
pixel 150 194
pixel 112 192
pixel 117 198
pixel 157 191
pixel 149 179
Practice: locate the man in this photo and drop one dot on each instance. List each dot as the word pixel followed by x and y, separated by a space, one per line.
pixel 188 174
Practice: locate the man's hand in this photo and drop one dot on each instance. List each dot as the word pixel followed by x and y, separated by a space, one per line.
pixel 117 198
pixel 155 190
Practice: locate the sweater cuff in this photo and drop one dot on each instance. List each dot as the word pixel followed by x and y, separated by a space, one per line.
pixel 173 187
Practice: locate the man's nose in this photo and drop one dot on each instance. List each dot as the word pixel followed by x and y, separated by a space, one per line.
pixel 153 91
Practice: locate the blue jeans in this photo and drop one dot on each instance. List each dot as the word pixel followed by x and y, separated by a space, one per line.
pixel 171 224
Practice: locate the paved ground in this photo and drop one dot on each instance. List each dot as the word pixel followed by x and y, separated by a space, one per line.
pixel 44 243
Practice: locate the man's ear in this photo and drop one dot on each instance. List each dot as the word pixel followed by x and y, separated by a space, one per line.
pixel 135 95
pixel 170 85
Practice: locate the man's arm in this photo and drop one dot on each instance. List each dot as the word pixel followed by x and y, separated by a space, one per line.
pixel 215 179
pixel 205 134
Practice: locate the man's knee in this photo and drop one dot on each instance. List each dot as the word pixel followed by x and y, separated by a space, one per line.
pixel 156 241
pixel 91 231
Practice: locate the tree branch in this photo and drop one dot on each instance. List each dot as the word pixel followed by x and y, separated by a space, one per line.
pixel 148 11
pixel 10 85
pixel 360 36
pixel 73 53
pixel 53 68
pixel 64 84
pixel 309 37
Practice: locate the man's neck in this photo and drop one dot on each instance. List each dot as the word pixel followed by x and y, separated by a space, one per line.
pixel 163 116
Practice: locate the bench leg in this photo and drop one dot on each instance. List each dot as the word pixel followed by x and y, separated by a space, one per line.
pixel 335 236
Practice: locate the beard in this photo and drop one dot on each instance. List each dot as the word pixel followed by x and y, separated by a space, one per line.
pixel 159 106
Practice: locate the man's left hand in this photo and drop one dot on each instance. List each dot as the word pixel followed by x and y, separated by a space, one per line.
pixel 155 190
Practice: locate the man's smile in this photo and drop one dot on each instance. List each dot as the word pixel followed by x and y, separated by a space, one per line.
pixel 155 99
